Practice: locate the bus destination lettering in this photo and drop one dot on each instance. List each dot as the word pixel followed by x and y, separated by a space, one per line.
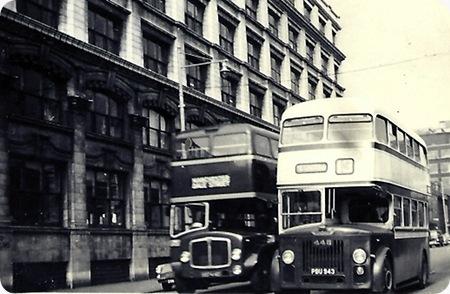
pixel 218 181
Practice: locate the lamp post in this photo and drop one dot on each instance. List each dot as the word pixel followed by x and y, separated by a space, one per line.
pixel 223 71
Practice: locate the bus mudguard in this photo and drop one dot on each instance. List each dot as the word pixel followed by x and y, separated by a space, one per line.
pixel 275 273
pixel 377 277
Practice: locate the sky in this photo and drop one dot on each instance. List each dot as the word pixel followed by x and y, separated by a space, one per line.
pixel 398 52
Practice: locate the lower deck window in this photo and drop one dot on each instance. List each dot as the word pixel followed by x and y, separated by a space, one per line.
pixel 105 198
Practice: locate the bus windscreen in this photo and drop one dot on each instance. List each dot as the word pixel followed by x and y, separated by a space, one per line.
pixel 302 130
pixel 350 127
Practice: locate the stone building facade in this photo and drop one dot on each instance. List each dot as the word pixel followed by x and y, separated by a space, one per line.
pixel 90 102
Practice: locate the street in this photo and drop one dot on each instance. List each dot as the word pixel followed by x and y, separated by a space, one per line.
pixel 439 278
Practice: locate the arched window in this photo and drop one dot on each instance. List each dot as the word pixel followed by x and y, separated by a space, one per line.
pixel 106 116
pixel 157 131
pixel 36 95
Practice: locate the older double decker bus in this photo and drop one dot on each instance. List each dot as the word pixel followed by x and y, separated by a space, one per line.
pixel 223 213
pixel 353 186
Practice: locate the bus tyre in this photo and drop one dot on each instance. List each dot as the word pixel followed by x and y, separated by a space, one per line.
pixel 296 291
pixel 424 272
pixel 167 286
pixel 388 277
pixel 260 281
pixel 184 285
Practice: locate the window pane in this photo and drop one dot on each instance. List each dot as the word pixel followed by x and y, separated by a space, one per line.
pixel 398 215
pixel 350 127
pixel 300 207
pixel 302 130
pixel 406 212
pixel 35 193
pixel 105 206
pixel 393 136
pixel 230 144
pixel 262 146
pixel 381 130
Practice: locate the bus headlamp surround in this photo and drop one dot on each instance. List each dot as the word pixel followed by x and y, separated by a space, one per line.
pixel 185 256
pixel 236 254
pixel 359 256
pixel 288 257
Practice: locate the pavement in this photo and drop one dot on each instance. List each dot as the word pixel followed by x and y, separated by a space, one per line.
pixel 144 286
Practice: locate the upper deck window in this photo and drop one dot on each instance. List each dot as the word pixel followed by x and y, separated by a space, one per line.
pixel 381 130
pixel 302 130
pixel 193 148
pixel 206 146
pixel 350 127
pixel 230 144
pixel 392 133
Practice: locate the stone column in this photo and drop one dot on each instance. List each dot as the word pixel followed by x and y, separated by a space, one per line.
pixel 6 269
pixel 139 260
pixel 78 271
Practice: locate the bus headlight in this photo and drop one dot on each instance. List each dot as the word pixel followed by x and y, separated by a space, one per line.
pixel 359 256
pixel 185 257
pixel 288 257
pixel 236 254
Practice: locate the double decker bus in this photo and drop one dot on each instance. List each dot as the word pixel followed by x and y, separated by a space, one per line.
pixel 223 206
pixel 353 186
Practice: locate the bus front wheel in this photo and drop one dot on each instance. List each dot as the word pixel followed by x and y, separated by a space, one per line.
pixel 184 285
pixel 388 277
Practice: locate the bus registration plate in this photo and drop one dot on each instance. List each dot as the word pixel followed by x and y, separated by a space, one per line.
pixel 322 271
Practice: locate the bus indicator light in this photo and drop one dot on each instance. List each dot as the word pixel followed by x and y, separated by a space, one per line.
pixel 237 270
pixel 360 270
pixel 185 257
pixel 345 166
pixel 236 254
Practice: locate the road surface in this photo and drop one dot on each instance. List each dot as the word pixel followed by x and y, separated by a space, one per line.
pixel 439 278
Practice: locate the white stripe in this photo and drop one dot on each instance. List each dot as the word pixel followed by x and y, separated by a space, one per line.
pixel 198 161
pixel 200 198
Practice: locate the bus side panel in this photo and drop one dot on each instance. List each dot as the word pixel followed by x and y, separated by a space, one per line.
pixel 389 167
pixel 304 167
pixel 407 254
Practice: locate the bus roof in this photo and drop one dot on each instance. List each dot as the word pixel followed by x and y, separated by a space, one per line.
pixel 329 106
pixel 227 129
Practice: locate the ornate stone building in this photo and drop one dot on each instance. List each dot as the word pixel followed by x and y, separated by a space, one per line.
pixel 90 101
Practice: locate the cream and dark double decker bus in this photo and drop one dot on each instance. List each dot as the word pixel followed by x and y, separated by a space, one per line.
pixel 223 214
pixel 353 186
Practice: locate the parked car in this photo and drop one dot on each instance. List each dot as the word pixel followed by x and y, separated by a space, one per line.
pixel 436 236
pixel 165 276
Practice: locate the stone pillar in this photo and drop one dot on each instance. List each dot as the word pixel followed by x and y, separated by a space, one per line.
pixel 79 268
pixel 78 271
pixel 139 260
pixel 6 269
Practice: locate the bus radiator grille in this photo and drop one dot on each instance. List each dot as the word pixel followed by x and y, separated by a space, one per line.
pixel 210 253
pixel 323 255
